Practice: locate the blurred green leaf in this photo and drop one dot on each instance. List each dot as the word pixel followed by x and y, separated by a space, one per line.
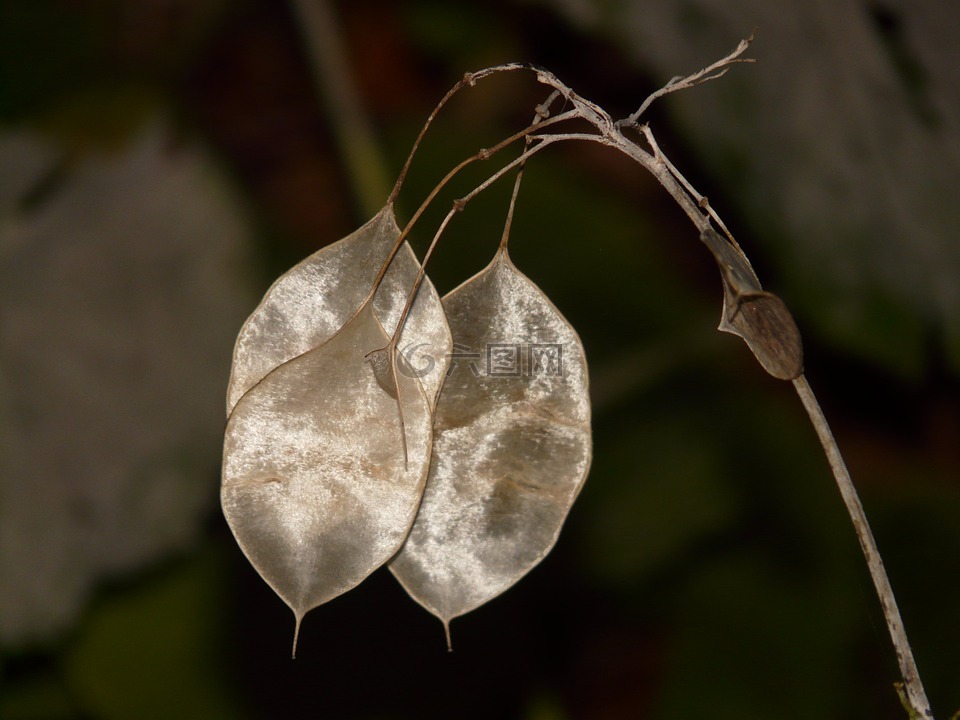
pixel 658 491
pixel 753 641
pixel 157 650
pixel 542 706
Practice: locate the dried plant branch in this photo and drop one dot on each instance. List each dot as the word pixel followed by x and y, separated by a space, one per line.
pixel 459 204
pixel 711 72
pixel 911 690
pixel 542 113
pixel 468 80
pixel 483 154
pixel 700 199
pixel 758 316
pixel 912 687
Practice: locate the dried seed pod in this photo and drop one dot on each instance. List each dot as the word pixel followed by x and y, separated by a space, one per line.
pixel 326 451
pixel 316 486
pixel 759 317
pixel 511 445
pixel 310 302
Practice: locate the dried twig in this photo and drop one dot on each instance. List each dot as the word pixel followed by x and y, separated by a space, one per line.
pixel 711 72
pixel 756 315
pixel 911 689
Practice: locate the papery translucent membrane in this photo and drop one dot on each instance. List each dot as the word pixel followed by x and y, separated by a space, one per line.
pixel 512 445
pixel 315 485
pixel 310 302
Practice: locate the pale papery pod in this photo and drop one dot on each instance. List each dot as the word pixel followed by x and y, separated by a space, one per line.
pixel 316 487
pixel 310 302
pixel 511 448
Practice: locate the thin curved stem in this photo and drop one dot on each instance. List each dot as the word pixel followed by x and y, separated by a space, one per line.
pixel 482 155
pixel 458 206
pixel 913 687
pixel 700 214
pixel 541 113
pixel 416 143
pixel 701 200
pixel 468 80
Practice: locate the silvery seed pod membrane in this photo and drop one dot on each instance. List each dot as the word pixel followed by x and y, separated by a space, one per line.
pixel 512 445
pixel 306 305
pixel 317 487
pixel 323 466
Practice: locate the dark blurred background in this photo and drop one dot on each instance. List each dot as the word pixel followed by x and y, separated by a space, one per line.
pixel 161 161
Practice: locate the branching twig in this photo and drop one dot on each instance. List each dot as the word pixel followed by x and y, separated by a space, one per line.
pixel 756 315
pixel 759 317
pixel 711 72
pixel 701 199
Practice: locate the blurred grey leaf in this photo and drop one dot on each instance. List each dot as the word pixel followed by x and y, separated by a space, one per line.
pixel 121 285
